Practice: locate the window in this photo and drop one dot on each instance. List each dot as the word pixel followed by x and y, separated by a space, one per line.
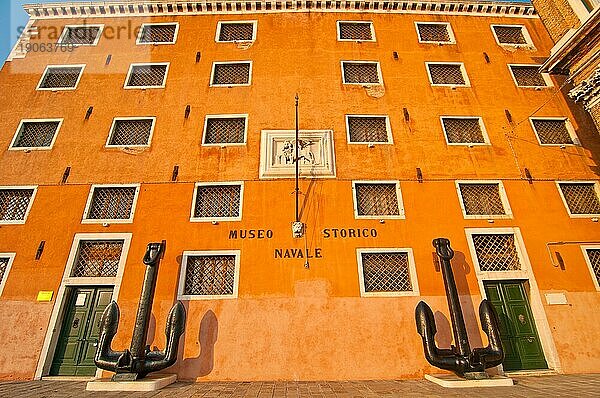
pixel 377 199
pixel 553 131
pixel 15 204
pixel 218 201
pixel 447 74
pixel 368 129
pixel 209 275
pixel 483 199
pixel 109 203
pixel 592 258
pixel 387 272
pixel 225 129
pixel 235 31
pixel 512 35
pixel 147 75
pixel 131 132
pixel 6 261
pixel 529 76
pixel 231 73
pixel 435 32
pixel 361 72
pixel 97 258
pixel 81 35
pixel 355 31
pixel 36 134
pixel 61 77
pixel 464 130
pixel 580 198
pixel 496 252
pixel 158 33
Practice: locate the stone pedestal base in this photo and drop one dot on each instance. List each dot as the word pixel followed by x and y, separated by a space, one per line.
pixel 453 381
pixel 150 383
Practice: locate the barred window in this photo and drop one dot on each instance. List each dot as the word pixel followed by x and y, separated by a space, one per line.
pixel 434 32
pixel 361 31
pixel 225 130
pixel 385 271
pixel 60 77
pixel 368 129
pixel 36 134
pixel 4 266
pixel 594 262
pixel 15 204
pixel 165 33
pixel 147 75
pixel 552 131
pixel 111 203
pixel 461 130
pixel 81 35
pixel 581 198
pixel 210 275
pixel 512 35
pixel 131 132
pixel 527 76
pixel 361 72
pixel 231 74
pixel 219 201
pixel 446 74
pixel 97 258
pixel 496 252
pixel 481 199
pixel 236 31
pixel 377 199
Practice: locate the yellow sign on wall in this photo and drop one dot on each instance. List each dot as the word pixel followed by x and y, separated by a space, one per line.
pixel 45 296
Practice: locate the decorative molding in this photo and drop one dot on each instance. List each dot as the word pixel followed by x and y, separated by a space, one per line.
pixel 588 91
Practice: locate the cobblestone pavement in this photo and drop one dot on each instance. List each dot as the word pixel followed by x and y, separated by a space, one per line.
pixel 531 386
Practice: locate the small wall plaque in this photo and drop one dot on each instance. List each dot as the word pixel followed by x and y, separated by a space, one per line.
pixel 45 296
pixel 556 298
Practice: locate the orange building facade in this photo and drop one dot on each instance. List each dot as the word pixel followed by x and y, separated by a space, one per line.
pixel 142 121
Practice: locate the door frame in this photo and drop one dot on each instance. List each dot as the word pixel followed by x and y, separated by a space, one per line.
pixel 531 288
pixel 58 311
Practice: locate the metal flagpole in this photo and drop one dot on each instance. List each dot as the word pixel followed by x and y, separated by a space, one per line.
pixel 297 161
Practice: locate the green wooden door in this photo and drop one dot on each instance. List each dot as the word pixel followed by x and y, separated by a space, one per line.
pixel 76 346
pixel 517 327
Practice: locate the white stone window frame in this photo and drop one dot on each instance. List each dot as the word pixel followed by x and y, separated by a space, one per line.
pixel 156 43
pixel 562 196
pixel 67 27
pixel 584 249
pixel 216 63
pixel 545 76
pixel 486 138
pixel 11 259
pixel 35 148
pixel 183 274
pixel 370 23
pixel 49 67
pixel 400 216
pixel 568 125
pixel 412 270
pixel 524 32
pixel 164 83
pixel 441 43
pixel 462 70
pixel 503 197
pixel 29 206
pixel 125 118
pixel 254 31
pixel 216 219
pixel 226 116
pixel 388 128
pixel 88 205
pixel 379 74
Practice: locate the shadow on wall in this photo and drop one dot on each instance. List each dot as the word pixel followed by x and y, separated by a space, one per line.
pixel 203 364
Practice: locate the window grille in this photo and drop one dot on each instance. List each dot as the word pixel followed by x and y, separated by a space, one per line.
pixel 147 76
pixel 510 34
pixel 114 203
pixel 361 73
pixel 14 204
pixel 158 33
pixel 367 129
pixel 594 257
pixel 230 74
pixel 239 31
pixel 210 275
pixel 449 74
pixel 131 132
pixel 218 201
pixel 497 252
pixel 376 200
pixel 581 198
pixel 527 76
pixel 463 130
pixel 386 272
pixel 3 266
pixel 97 258
pixel 36 134
pixel 355 31
pixel 552 131
pixel 434 32
pixel 225 130
pixel 481 199
pixel 81 35
pixel 61 77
